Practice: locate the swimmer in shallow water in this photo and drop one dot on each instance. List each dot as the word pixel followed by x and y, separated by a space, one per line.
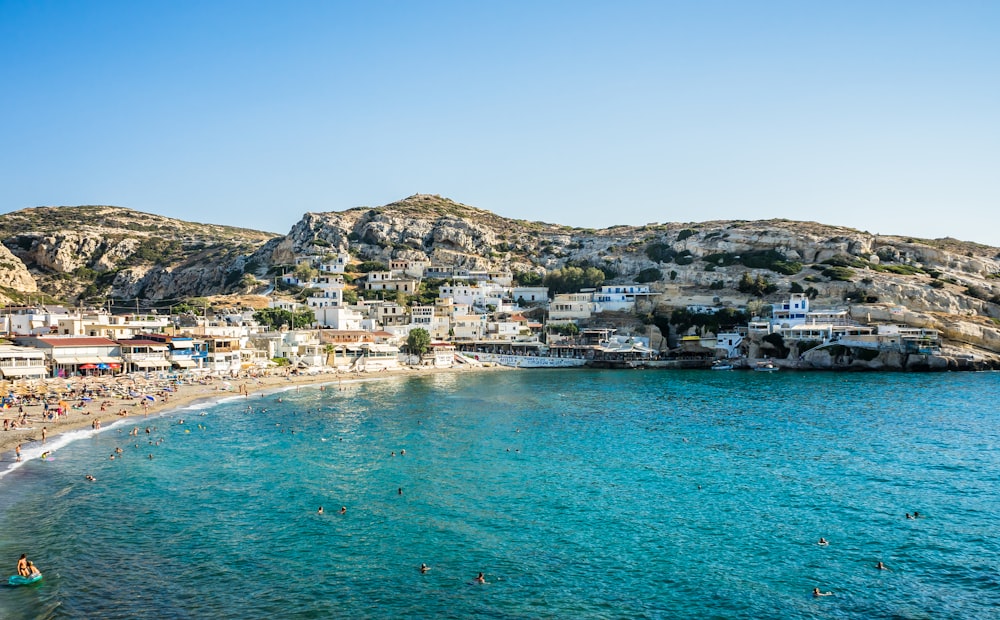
pixel 822 542
pixel 480 578
pixel 320 511
pixel 881 566
pixel 816 592
pixel 424 568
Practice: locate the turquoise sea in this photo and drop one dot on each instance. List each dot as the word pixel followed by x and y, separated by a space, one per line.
pixel 578 494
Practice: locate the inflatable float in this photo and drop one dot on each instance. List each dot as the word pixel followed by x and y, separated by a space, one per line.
pixel 18 580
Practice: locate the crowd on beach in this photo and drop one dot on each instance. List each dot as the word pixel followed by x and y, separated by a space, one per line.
pixel 40 409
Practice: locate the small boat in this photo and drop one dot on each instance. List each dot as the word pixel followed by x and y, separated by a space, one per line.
pixel 721 365
pixel 18 580
pixel 765 366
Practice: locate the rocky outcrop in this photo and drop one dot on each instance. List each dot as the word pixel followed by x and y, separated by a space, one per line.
pixel 13 274
pixel 90 253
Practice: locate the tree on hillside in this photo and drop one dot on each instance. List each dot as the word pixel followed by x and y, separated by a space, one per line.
pixel 419 341
pixel 572 279
pixel 305 272
pixel 527 278
pixel 274 318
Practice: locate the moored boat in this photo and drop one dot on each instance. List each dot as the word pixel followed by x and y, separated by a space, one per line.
pixel 765 366
pixel 722 365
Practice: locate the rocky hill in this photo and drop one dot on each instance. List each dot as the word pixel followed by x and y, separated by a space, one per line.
pixel 86 252
pixel 89 253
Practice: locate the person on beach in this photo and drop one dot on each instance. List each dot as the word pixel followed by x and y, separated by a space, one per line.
pixel 816 592
pixel 17 452
pixel 43 434
pixel 22 566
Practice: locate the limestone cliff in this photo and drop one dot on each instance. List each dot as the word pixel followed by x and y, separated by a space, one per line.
pixel 93 252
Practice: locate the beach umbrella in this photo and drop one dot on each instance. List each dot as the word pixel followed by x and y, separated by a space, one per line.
pixel 148 397
pixel 102 366
pixel 87 367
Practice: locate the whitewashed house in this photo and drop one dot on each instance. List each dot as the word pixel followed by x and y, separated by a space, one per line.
pixel 21 363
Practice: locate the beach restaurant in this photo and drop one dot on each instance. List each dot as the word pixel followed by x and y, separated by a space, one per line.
pixel 21 363
pixel 68 356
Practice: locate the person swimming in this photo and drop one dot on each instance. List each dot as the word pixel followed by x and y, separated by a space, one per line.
pixel 480 578
pixel 816 592
pixel 822 542
pixel 881 566
pixel 320 511
pixel 424 568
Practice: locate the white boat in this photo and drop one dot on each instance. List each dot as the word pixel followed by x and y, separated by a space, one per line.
pixel 721 365
pixel 765 366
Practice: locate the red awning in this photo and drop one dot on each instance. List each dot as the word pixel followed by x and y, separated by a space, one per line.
pixel 88 366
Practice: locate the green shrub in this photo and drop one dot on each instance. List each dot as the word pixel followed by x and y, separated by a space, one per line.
pixel 649 275
pixel 684 234
pixel 758 286
pixel 684 258
pixel 660 252
pixel 843 274
pixel 843 260
pixel 528 278
pixel 717 285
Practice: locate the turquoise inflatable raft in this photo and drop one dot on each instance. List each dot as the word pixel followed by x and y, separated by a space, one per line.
pixel 17 580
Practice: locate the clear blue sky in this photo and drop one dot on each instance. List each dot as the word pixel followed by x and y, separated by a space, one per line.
pixel 883 116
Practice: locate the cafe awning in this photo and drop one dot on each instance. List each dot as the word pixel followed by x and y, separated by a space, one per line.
pixel 152 364
pixel 22 371
pixel 184 363
pixel 85 359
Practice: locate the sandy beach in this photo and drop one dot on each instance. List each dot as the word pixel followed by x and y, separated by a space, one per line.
pixel 110 399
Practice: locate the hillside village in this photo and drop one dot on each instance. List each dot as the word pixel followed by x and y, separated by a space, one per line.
pixel 476 317
pixel 429 281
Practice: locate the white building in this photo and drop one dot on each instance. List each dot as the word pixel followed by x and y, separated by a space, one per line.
pixel 616 297
pixel 21 363
pixel 530 294
pixel 479 295
pixel 571 307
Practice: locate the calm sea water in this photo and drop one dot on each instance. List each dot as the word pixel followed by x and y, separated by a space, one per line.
pixel 579 494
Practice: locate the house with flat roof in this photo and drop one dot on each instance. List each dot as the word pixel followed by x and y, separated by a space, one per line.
pixel 21 363
pixel 67 356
